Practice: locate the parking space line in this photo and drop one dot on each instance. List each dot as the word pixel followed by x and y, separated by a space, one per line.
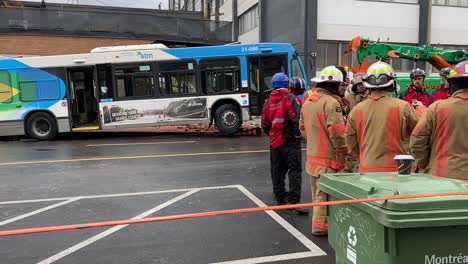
pixel 118 195
pixel 291 229
pixel 14 219
pixel 136 144
pixel 135 157
pixel 114 229
pixel 291 256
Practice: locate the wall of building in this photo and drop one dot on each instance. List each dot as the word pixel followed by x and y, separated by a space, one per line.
pixel 345 19
pixel 57 45
pixel 449 25
pixel 251 36
pixel 242 6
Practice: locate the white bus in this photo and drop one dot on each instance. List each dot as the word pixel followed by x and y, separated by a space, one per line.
pixel 140 85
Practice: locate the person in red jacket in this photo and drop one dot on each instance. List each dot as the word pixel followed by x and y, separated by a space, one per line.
pixel 443 92
pixel 280 120
pixel 416 95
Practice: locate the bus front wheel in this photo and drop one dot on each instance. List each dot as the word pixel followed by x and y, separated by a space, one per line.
pixel 228 119
pixel 41 126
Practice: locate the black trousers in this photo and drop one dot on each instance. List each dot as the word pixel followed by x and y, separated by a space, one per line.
pixel 287 159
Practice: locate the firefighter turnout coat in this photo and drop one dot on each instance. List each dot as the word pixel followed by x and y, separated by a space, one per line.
pixel 378 129
pixel 323 126
pixel 439 141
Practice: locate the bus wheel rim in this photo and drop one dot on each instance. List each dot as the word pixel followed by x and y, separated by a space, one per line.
pixel 41 126
pixel 229 118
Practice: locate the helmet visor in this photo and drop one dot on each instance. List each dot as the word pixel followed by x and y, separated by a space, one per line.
pixel 378 81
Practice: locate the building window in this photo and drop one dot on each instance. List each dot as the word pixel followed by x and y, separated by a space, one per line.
pixel 220 76
pixel 134 80
pixel 327 54
pixel 177 78
pixel 248 20
pixel 456 3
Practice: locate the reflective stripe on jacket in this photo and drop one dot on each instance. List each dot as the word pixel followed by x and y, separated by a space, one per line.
pixel 439 141
pixel 378 129
pixel 323 126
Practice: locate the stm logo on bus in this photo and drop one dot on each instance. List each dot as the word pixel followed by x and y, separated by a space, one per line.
pixel 145 56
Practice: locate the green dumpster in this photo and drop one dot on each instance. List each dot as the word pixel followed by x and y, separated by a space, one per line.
pixel 412 231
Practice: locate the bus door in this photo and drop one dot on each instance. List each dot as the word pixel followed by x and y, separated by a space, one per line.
pixel 83 99
pixel 105 88
pixel 261 70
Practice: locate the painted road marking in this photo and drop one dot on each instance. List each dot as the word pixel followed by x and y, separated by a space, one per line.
pixel 270 258
pixel 137 157
pixel 117 195
pixel 14 219
pixel 114 229
pixel 136 144
pixel 314 249
pixel 291 229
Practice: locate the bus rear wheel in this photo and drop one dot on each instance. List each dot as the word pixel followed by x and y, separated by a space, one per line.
pixel 228 119
pixel 41 126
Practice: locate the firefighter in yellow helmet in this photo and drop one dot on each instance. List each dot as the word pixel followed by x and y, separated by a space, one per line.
pixel 323 127
pixel 379 128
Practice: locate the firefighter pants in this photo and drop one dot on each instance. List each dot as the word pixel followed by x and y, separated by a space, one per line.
pixel 319 215
pixel 287 159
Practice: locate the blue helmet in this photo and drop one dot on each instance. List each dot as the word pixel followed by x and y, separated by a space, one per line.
pixel 279 80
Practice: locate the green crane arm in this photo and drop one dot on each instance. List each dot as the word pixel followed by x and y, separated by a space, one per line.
pixel 439 58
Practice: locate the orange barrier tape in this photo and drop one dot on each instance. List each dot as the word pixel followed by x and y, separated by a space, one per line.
pixel 216 213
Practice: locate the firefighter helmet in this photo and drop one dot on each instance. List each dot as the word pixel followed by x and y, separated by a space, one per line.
pixel 459 71
pixel 329 74
pixel 379 75
pixel 279 80
pixel 297 84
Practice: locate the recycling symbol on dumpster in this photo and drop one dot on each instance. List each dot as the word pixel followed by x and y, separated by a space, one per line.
pixel 352 238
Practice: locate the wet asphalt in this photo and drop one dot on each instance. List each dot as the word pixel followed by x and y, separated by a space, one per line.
pixel 92 177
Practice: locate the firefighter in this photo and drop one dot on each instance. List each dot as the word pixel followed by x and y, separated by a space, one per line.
pixel 379 128
pixel 358 93
pixel 280 120
pixel 323 127
pixel 442 92
pixel 438 142
pixel 416 95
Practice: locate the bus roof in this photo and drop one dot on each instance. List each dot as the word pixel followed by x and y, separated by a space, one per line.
pixel 148 52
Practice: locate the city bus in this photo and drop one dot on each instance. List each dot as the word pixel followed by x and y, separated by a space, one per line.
pixel 140 86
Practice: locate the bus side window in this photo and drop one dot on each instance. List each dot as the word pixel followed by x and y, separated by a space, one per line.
pixel 220 76
pixel 5 87
pixel 134 80
pixel 177 78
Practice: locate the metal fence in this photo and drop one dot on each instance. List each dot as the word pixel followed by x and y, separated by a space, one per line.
pixel 113 22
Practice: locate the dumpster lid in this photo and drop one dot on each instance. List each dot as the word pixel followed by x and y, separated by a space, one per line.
pixel 388 184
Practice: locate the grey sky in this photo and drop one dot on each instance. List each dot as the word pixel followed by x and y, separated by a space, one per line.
pixel 120 3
